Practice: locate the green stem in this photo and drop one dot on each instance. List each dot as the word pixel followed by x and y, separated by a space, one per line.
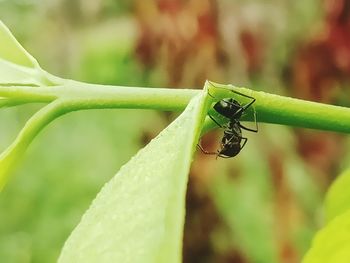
pixel 75 96
pixel 269 108
pixel 59 107
pixel 34 125
pixel 101 96
pixel 276 109
pixel 5 103
pixel 93 96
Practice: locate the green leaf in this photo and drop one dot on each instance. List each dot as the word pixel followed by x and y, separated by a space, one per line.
pixel 19 76
pixel 17 66
pixel 139 215
pixel 12 51
pixel 331 244
pixel 338 196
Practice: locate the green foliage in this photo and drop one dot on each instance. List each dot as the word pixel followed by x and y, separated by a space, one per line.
pixel 332 243
pixel 240 215
pixel 338 197
pixel 53 186
pixel 106 58
pixel 174 146
pixel 61 173
pixel 63 96
pixel 12 52
pixel 139 215
pixel 147 191
pixel 17 67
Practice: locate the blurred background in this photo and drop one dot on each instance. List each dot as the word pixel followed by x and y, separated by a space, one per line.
pixel 263 205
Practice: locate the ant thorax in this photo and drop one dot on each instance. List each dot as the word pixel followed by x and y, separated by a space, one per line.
pixel 234 128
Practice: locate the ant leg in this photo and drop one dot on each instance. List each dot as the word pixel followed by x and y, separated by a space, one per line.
pixel 241 109
pixel 204 151
pixel 219 154
pixel 245 141
pixel 249 129
pixel 239 93
pixel 214 85
pixel 223 156
pixel 254 112
pixel 211 95
pixel 247 105
pixel 247 96
pixel 218 124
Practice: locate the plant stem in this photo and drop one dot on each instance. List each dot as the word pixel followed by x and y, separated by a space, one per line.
pixel 5 103
pixel 73 96
pixel 101 96
pixel 276 109
pixel 269 108
pixel 91 96
pixel 34 125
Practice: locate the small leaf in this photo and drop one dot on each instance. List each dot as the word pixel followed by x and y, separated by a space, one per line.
pixel 17 66
pixel 331 244
pixel 12 51
pixel 14 75
pixel 139 215
pixel 338 196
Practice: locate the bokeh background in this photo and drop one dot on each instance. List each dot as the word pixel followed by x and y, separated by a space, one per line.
pixel 263 205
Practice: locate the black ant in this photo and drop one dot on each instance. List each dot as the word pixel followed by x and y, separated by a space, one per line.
pixel 232 142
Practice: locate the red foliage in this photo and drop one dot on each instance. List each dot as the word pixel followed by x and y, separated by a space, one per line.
pixel 324 61
pixel 320 67
pixel 184 39
pixel 253 51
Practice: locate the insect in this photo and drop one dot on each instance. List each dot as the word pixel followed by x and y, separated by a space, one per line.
pixel 232 141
